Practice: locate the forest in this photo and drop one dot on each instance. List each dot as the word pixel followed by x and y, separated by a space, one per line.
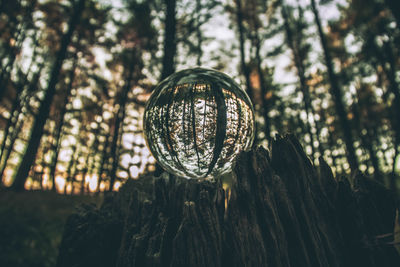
pixel 75 77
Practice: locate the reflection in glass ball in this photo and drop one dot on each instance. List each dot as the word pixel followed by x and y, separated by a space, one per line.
pixel 197 121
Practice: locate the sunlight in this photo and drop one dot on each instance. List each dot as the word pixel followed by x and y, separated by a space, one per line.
pixel 102 186
pixel 227 189
pixel 68 189
pixel 35 185
pixel 117 185
pixel 77 103
pixel 91 181
pixel 28 184
pixel 134 171
pixel 60 183
pixel 46 183
pixel 78 177
pixel 7 177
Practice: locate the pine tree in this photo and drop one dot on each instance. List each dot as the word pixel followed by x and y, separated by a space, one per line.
pixel 336 93
pixel 43 113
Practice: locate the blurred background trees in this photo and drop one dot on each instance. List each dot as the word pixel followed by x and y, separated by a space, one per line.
pixel 75 76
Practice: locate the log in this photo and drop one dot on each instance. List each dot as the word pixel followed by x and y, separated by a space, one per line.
pixel 279 211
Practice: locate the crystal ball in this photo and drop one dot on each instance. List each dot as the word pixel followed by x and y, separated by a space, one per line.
pixel 197 121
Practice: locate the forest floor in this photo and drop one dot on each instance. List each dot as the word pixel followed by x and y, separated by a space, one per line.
pixel 32 223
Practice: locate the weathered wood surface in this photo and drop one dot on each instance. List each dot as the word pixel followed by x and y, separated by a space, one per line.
pixel 281 212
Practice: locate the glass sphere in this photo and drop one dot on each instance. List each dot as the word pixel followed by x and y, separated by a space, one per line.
pixel 197 121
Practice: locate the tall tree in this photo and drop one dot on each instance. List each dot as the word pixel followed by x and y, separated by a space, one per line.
pixel 241 31
pixel 255 24
pixel 190 36
pixel 336 93
pixel 372 28
pixel 138 34
pixel 295 40
pixel 17 120
pixel 122 101
pixel 12 36
pixel 43 113
pixel 366 110
pixel 58 130
pixel 199 34
pixel 168 64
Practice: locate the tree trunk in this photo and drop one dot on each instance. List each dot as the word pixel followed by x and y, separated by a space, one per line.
pixel 244 67
pixel 13 51
pixel 279 211
pixel 5 72
pixel 294 45
pixel 263 83
pixel 367 140
pixel 386 60
pixel 169 39
pixel 337 94
pixel 103 162
pixel 395 90
pixel 11 122
pixel 9 148
pixel 19 100
pixel 18 122
pixel 58 131
pixel 199 36
pixel 123 98
pixel 43 113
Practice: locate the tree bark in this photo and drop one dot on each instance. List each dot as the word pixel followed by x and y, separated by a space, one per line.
pixel 123 98
pixel 168 65
pixel 18 122
pixel 199 35
pixel 279 211
pixel 43 113
pixel 367 140
pixel 103 163
pixel 19 101
pixel 298 58
pixel 263 83
pixel 58 130
pixel 18 30
pixel 244 67
pixel 337 94
pixel 5 72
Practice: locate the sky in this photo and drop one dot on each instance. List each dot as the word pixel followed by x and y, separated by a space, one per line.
pixel 217 28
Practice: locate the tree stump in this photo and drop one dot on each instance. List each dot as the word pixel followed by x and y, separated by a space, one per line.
pixel 281 212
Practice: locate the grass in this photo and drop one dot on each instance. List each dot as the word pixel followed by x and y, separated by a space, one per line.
pixel 31 226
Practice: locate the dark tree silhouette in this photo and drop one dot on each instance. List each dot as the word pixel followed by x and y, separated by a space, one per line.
pixel 336 93
pixel 241 31
pixel 58 131
pixel 122 99
pixel 168 64
pixel 300 51
pixel 257 42
pixel 43 113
